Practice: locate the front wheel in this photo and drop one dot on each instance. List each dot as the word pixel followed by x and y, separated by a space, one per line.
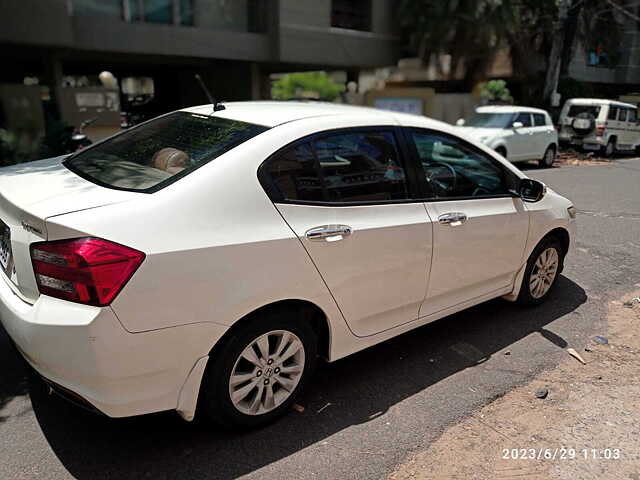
pixel 259 371
pixel 541 273
pixel 549 157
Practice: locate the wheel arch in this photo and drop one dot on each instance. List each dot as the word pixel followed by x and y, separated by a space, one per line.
pixel 309 312
pixel 502 150
pixel 560 233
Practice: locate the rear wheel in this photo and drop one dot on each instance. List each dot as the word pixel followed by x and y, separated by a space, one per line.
pixel 610 149
pixel 259 371
pixel 549 157
pixel 541 273
pixel 502 151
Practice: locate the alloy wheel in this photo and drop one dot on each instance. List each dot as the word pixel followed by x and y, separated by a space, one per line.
pixel 267 372
pixel 544 273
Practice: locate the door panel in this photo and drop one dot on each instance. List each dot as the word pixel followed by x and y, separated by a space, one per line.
pixel 478 256
pixel 378 273
pixel 523 139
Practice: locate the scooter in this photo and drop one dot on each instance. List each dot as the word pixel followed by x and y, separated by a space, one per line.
pixel 74 139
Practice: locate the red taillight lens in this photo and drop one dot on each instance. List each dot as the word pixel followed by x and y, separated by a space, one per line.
pixel 599 131
pixel 83 270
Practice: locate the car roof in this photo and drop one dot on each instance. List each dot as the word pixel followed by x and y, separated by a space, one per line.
pixel 271 113
pixel 598 101
pixel 508 109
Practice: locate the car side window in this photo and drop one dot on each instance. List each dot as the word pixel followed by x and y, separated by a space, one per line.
pixel 524 118
pixel 633 116
pixel 613 113
pixel 539 119
pixel 294 174
pixel 622 115
pixel 344 167
pixel 361 166
pixel 453 168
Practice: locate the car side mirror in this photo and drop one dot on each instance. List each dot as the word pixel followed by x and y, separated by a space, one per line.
pixel 460 122
pixel 531 190
pixel 517 125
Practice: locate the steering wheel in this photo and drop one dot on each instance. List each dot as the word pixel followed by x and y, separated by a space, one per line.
pixel 441 181
pixel 480 190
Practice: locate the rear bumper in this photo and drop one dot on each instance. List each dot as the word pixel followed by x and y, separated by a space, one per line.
pixel 85 352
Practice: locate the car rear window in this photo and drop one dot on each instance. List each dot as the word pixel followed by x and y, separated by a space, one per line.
pixel 156 153
pixel 576 110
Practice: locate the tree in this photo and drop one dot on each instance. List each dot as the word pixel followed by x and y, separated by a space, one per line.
pixel 317 85
pixel 496 91
pixel 472 32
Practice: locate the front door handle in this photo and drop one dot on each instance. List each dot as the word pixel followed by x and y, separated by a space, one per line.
pixel 328 233
pixel 453 218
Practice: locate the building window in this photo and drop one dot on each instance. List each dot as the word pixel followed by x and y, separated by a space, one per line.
pixel 351 14
pixel 111 8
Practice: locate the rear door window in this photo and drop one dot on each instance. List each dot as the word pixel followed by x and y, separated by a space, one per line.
pixel 622 116
pixel 576 110
pixel 341 168
pixel 539 119
pixel 633 116
pixel 613 113
pixel 152 155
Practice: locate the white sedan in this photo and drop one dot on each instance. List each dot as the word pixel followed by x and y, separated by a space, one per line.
pixel 204 260
pixel 519 134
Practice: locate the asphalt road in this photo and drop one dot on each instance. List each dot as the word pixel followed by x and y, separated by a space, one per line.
pixel 366 413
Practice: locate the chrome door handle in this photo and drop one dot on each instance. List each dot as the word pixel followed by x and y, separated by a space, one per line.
pixel 328 233
pixel 454 218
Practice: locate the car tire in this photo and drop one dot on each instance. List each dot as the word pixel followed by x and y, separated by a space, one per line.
pixel 544 264
pixel 549 157
pixel 502 151
pixel 216 404
pixel 610 149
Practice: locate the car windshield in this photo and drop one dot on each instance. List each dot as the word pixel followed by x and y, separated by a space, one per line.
pixel 150 156
pixel 576 110
pixel 489 120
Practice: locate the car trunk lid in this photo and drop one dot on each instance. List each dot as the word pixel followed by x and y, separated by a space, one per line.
pixel 29 194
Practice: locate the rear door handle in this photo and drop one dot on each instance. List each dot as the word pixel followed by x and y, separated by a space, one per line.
pixel 453 218
pixel 328 233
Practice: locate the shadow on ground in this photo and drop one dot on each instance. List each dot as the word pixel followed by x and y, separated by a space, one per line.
pixel 358 387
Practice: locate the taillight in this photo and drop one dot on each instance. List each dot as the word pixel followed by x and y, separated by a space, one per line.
pixel 599 131
pixel 83 270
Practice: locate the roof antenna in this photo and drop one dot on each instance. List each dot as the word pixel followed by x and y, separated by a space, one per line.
pixel 217 106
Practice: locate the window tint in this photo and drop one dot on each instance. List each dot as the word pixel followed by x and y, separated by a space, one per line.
pixel 622 116
pixel 633 116
pixel 539 120
pixel 454 169
pixel 524 118
pixel 294 174
pixel 576 110
pixel 343 167
pixel 146 157
pixel 361 167
pixel 613 113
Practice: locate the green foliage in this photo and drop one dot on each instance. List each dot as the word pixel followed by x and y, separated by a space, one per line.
pixel 316 85
pixel 496 91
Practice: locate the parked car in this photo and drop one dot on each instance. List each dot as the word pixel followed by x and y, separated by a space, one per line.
pixel 207 259
pixel 519 134
pixel 603 125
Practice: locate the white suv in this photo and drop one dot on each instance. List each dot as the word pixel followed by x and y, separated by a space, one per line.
pixel 596 124
pixel 519 134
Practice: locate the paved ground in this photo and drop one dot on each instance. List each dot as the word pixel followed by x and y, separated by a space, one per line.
pixel 585 428
pixel 385 403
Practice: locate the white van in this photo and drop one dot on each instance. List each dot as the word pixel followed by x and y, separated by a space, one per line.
pixel 595 124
